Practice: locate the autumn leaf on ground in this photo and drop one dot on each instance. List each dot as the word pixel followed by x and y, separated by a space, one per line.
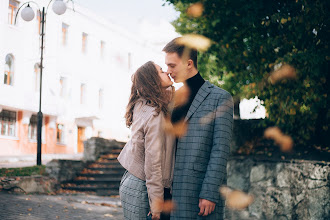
pixel 284 72
pixel 195 41
pixel 284 141
pixel 236 199
pixel 195 10
pixel 30 209
pixel 177 129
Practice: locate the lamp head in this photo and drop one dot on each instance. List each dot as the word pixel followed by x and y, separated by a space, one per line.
pixel 59 7
pixel 27 13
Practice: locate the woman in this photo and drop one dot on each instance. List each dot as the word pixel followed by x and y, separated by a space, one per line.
pixel 148 156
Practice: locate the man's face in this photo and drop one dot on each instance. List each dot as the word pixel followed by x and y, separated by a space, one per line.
pixel 176 67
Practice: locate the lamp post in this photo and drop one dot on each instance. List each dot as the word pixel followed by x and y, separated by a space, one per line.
pixel 59 7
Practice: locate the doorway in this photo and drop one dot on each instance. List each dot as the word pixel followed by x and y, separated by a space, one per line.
pixel 81 139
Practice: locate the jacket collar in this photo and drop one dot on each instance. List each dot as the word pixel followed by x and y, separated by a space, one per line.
pixel 199 98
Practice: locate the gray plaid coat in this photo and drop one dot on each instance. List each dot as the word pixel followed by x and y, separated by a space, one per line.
pixel 201 156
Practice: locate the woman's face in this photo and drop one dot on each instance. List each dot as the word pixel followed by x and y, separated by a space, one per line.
pixel 164 77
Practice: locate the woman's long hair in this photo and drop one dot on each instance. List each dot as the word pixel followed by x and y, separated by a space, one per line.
pixel 147 85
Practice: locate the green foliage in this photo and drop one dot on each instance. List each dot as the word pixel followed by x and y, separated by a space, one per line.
pixel 250 38
pixel 23 171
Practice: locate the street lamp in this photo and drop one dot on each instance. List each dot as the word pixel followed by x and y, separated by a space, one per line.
pixel 59 7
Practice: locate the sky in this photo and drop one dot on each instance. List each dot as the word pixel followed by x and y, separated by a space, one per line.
pixel 144 17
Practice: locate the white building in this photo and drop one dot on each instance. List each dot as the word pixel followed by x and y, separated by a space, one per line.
pixel 88 63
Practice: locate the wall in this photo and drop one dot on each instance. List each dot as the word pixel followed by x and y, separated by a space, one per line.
pixel 282 189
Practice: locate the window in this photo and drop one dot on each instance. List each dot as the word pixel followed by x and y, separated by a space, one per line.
pixel 84 42
pixel 60 133
pixel 82 93
pixel 100 98
pixel 33 127
pixel 63 87
pixel 64 33
pixel 9 70
pixel 7 123
pixel 36 76
pixel 12 9
pixel 102 47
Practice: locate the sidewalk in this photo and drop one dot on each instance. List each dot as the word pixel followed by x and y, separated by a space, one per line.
pixel 31 160
pixel 48 207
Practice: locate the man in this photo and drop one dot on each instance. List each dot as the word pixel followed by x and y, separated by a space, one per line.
pixel 201 154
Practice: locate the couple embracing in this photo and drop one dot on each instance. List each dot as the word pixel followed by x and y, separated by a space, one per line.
pixel 187 169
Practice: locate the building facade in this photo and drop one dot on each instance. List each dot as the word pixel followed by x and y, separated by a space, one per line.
pixel 88 63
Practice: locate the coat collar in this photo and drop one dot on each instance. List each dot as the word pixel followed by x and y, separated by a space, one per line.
pixel 199 98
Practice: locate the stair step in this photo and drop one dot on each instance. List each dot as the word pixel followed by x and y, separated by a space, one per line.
pixel 90 188
pixel 97 181
pixel 107 192
pixel 98 165
pixel 106 169
pixel 110 156
pixel 108 174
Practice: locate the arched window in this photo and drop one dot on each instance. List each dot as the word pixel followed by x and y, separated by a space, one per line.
pixel 36 76
pixel 9 70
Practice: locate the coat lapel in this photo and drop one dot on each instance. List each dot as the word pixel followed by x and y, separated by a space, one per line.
pixel 199 98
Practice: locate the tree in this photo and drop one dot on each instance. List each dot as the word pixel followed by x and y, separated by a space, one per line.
pixel 253 38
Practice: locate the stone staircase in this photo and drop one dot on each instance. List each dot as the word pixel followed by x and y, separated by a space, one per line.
pixel 101 177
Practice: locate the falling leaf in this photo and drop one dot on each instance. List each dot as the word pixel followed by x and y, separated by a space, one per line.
pixel 195 10
pixel 208 118
pixel 181 96
pixel 236 199
pixel 177 129
pixel 166 206
pixel 284 72
pixel 195 41
pixel 284 141
pixel 283 20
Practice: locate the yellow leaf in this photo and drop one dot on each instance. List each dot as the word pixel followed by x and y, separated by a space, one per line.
pixel 195 41
pixel 195 10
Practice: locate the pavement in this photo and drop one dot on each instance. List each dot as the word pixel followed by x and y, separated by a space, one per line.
pixel 30 160
pixel 48 207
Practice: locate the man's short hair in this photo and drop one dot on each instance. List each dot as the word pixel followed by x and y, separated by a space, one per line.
pixel 174 47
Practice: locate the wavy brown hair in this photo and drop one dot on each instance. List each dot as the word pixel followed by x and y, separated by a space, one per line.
pixel 147 85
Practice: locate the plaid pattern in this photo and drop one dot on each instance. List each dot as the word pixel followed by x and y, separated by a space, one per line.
pixel 134 197
pixel 201 157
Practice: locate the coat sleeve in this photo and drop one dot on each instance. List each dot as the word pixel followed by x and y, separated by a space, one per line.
pixel 153 160
pixel 216 169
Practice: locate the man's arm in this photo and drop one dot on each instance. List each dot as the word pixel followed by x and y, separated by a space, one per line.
pixel 216 169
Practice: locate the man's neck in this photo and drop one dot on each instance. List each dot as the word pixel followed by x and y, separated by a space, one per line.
pixel 192 73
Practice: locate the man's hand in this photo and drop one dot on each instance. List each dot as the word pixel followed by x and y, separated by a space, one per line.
pixel 206 207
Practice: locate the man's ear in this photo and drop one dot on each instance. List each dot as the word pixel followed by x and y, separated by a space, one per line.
pixel 190 63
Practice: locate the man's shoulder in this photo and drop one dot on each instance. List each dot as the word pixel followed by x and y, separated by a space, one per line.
pixel 217 91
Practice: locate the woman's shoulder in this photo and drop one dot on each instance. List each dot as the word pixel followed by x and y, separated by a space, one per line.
pixel 143 106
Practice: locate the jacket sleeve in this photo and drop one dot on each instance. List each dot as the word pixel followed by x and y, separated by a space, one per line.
pixel 153 160
pixel 216 169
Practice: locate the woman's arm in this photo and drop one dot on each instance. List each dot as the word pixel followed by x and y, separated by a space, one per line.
pixel 154 139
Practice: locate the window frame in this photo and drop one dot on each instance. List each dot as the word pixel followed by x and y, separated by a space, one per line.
pixel 8 125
